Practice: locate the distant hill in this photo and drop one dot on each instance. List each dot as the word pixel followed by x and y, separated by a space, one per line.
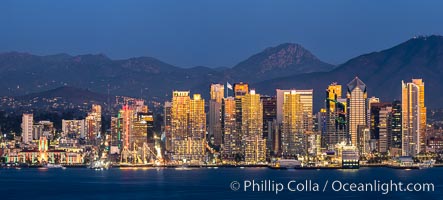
pixel 282 60
pixel 284 66
pixel 382 72
pixel 23 73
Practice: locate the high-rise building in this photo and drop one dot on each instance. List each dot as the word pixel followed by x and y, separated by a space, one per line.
pixel 231 138
pixel 252 128
pixel 27 122
pixel 332 122
pixel 357 105
pixel 37 131
pixel 180 109
pixel 139 133
pixel 126 123
pixel 93 123
pixel 240 90
pixel 217 92
pixel 188 127
pixel 269 122
pixel 197 117
pixel 413 117
pixel 371 100
pixel 215 118
pixel 395 138
pixel 116 137
pixel 280 99
pixel 74 129
pixel 306 100
pixel 167 126
pixel 380 125
pixel 293 136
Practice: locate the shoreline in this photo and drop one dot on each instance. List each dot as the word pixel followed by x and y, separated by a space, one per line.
pixel 127 166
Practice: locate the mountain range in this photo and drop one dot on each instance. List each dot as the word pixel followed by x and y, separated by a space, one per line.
pixel 284 66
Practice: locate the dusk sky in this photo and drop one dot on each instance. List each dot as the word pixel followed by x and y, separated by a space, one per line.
pixel 212 33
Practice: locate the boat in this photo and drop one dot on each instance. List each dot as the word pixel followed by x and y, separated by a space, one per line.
pixel 287 164
pixel 54 166
pixel 183 167
pixel 426 164
pixel 350 157
pixel 99 165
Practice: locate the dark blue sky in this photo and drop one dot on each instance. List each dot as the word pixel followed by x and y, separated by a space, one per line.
pixel 212 33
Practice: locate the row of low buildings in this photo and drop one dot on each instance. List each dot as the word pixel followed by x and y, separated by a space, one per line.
pixel 88 129
pixel 40 143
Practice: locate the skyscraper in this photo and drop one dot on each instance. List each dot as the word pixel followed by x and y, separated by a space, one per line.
pixel 252 128
pixel 240 90
pixel 395 138
pixel 27 122
pixel 215 131
pixel 188 127
pixel 293 138
pixel 380 125
pixel 93 123
pixel 217 92
pixel 197 117
pixel 306 101
pixel 357 106
pixel 231 138
pixel 167 126
pixel 413 117
pixel 333 121
pixel 269 122
pixel 280 99
pixel 126 123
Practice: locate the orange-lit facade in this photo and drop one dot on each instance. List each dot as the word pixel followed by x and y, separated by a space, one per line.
pixel 413 117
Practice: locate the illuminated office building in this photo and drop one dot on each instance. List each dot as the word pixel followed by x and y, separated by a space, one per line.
pixel 231 138
pixel 413 117
pixel 116 131
pixel 188 126
pixel 27 122
pixel 215 118
pixel 180 111
pixel 74 129
pixel 197 117
pixel 126 116
pixel 240 90
pixel 139 134
pixel 357 106
pixel 217 92
pixel 93 123
pixel 333 123
pixel 306 101
pixel 252 128
pixel 280 99
pixel 293 136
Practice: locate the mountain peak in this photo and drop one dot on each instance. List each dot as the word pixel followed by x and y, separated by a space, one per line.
pixel 285 55
pixel 287 58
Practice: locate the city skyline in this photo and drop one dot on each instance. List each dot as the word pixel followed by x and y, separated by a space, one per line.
pixel 246 127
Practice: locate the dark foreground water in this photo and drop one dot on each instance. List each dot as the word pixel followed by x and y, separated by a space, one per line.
pixel 207 184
